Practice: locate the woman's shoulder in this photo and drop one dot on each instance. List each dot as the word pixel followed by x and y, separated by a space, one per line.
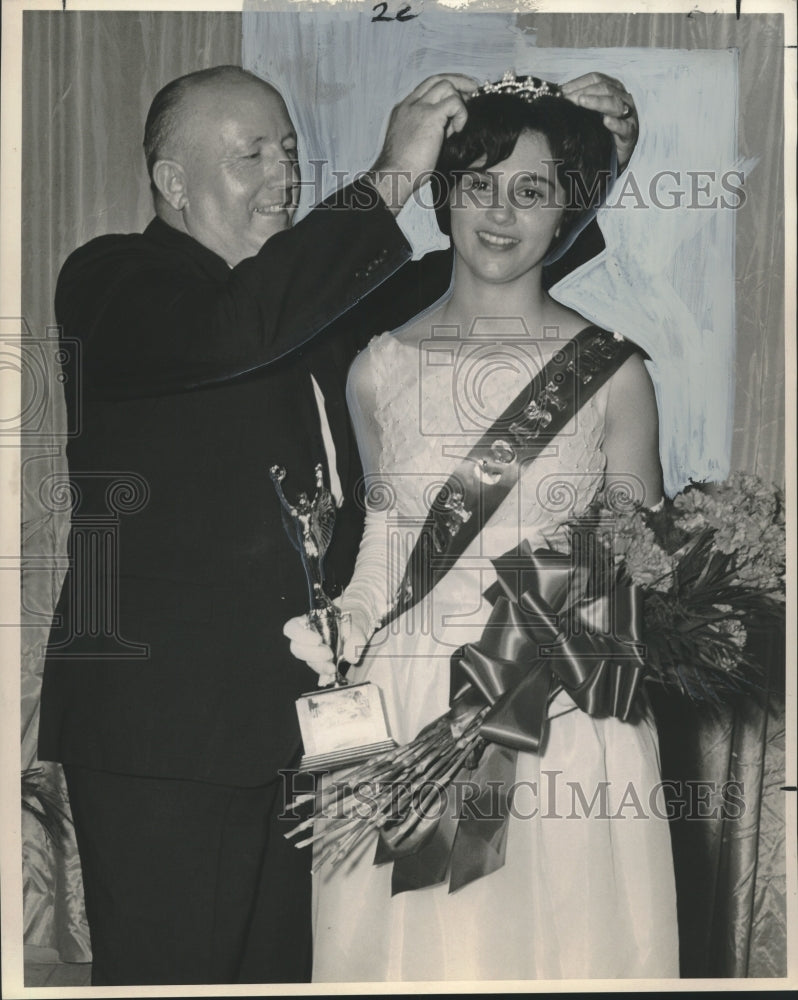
pixel 384 347
pixel 373 363
pixel 632 377
pixel 371 353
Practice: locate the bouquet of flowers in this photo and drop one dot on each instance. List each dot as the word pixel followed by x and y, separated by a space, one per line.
pixel 689 578
pixel 709 562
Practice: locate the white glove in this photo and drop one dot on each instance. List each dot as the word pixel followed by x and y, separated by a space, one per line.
pixel 363 604
pixel 306 644
pixel 368 598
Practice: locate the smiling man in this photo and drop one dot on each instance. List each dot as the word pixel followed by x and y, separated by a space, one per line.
pixel 233 194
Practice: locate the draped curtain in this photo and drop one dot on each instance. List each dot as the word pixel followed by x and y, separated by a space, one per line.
pixel 88 79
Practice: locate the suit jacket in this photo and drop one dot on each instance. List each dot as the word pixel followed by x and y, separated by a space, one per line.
pixel 167 656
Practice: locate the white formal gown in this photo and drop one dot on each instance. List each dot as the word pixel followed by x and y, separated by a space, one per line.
pixel 579 897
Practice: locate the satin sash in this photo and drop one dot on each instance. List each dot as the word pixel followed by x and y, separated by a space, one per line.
pixel 481 481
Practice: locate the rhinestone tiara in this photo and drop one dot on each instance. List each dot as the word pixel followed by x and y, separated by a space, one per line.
pixel 528 88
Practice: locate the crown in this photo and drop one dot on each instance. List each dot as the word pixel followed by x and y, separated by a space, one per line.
pixel 528 88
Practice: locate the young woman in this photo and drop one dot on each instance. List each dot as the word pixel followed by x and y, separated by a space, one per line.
pixel 584 892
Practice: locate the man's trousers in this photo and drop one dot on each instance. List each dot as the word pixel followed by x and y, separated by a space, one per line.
pixel 188 882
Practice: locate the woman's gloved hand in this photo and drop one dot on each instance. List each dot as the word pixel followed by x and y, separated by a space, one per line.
pixel 306 644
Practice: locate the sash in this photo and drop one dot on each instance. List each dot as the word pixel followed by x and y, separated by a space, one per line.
pixel 529 650
pixel 481 481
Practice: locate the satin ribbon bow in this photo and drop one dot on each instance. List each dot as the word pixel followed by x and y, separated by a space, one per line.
pixel 544 635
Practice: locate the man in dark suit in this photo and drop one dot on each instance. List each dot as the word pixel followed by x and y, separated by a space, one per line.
pixel 193 384
pixel 168 689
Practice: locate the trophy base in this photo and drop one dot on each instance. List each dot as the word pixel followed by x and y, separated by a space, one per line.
pixel 342 726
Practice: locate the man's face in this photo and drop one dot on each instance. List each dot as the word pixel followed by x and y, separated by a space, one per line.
pixel 239 159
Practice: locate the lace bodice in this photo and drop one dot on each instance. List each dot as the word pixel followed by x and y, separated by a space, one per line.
pixel 430 414
pixel 417 414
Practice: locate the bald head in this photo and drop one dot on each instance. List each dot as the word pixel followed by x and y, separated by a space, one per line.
pixel 167 131
pixel 222 158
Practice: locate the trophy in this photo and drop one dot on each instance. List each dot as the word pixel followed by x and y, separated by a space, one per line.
pixel 344 723
pixel 309 525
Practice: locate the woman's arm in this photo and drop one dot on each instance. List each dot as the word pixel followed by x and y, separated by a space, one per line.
pixel 377 572
pixel 377 575
pixel 631 436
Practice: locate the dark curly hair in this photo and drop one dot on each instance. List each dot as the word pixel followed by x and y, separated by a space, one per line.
pixel 580 145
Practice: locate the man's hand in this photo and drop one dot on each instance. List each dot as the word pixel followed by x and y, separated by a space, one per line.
pixel 416 130
pixel 602 93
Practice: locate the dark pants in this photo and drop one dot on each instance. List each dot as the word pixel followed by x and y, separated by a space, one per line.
pixel 187 882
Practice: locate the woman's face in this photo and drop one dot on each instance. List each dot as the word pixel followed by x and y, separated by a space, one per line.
pixel 504 219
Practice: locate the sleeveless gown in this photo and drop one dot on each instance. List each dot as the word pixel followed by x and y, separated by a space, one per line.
pixel 579 896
